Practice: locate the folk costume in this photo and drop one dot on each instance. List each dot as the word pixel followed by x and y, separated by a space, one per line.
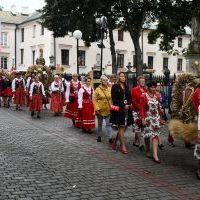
pixel 56 97
pixel 71 96
pixel 18 88
pixel 120 98
pixel 8 92
pixel 36 95
pixel 30 80
pixel 86 119
pixel 2 89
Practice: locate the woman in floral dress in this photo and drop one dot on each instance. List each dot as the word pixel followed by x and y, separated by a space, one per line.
pixel 150 114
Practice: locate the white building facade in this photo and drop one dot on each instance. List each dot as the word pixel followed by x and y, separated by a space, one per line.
pixel 23 40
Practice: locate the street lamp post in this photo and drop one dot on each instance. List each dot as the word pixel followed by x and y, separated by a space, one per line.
pixel 102 23
pixel 77 35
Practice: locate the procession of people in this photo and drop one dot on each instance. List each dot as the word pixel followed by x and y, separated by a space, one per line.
pixel 141 108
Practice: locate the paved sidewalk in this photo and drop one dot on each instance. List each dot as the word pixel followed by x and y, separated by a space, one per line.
pixel 49 159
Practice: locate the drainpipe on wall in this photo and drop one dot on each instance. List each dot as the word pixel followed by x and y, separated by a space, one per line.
pixel 16 47
pixel 54 50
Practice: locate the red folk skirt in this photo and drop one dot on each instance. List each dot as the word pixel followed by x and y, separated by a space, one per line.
pixel 28 101
pixel 72 110
pixel 86 116
pixel 8 92
pixel 36 103
pixel 19 97
pixel 56 102
pixel 2 93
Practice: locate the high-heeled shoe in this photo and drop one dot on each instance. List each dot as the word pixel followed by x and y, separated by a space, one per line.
pixel 156 161
pixel 124 151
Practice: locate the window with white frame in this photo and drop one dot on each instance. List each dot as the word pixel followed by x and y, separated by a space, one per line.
pixel 34 30
pixel 165 63
pixel 120 35
pixel 150 62
pixel 180 42
pixel 22 56
pixel 81 58
pixel 4 62
pixel 180 64
pixel 65 56
pixel 42 30
pixel 4 39
pixel 33 57
pixel 120 60
pixel 22 34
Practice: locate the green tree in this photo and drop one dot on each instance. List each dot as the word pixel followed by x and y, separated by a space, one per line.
pixel 173 16
pixel 136 14
pixel 63 16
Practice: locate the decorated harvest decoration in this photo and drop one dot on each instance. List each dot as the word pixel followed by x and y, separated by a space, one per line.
pixel 44 73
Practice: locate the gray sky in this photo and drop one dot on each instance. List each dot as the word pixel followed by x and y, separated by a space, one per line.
pixel 32 4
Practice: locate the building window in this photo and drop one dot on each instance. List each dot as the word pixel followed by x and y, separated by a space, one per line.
pixel 150 42
pixel 34 31
pixel 33 57
pixel 150 62
pixel 65 56
pixel 4 39
pixel 22 34
pixel 179 64
pixel 81 58
pixel 165 63
pixel 42 30
pixel 180 42
pixel 41 53
pixel 22 56
pixel 120 35
pixel 120 60
pixel 4 62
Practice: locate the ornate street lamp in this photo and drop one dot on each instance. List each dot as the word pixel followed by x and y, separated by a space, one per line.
pixel 77 35
pixel 102 23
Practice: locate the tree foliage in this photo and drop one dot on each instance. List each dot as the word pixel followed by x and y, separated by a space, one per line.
pixel 172 16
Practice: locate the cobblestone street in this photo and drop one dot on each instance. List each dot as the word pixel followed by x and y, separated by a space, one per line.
pixel 49 159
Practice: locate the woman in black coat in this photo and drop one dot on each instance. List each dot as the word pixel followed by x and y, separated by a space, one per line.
pixel 121 114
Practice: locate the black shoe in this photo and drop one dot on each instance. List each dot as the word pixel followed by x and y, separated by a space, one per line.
pixel 135 144
pixel 161 146
pixel 189 146
pixel 141 147
pixel 110 141
pixel 99 139
pixel 32 113
pixel 171 144
pixel 38 116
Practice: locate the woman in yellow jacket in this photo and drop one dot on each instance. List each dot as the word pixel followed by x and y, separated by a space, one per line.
pixel 102 104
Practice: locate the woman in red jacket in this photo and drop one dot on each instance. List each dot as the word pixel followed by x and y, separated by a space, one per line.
pixel 150 114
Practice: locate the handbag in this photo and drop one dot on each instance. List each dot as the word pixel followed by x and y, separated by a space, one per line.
pixel 112 107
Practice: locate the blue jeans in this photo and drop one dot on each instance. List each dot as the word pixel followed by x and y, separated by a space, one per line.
pixel 108 126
